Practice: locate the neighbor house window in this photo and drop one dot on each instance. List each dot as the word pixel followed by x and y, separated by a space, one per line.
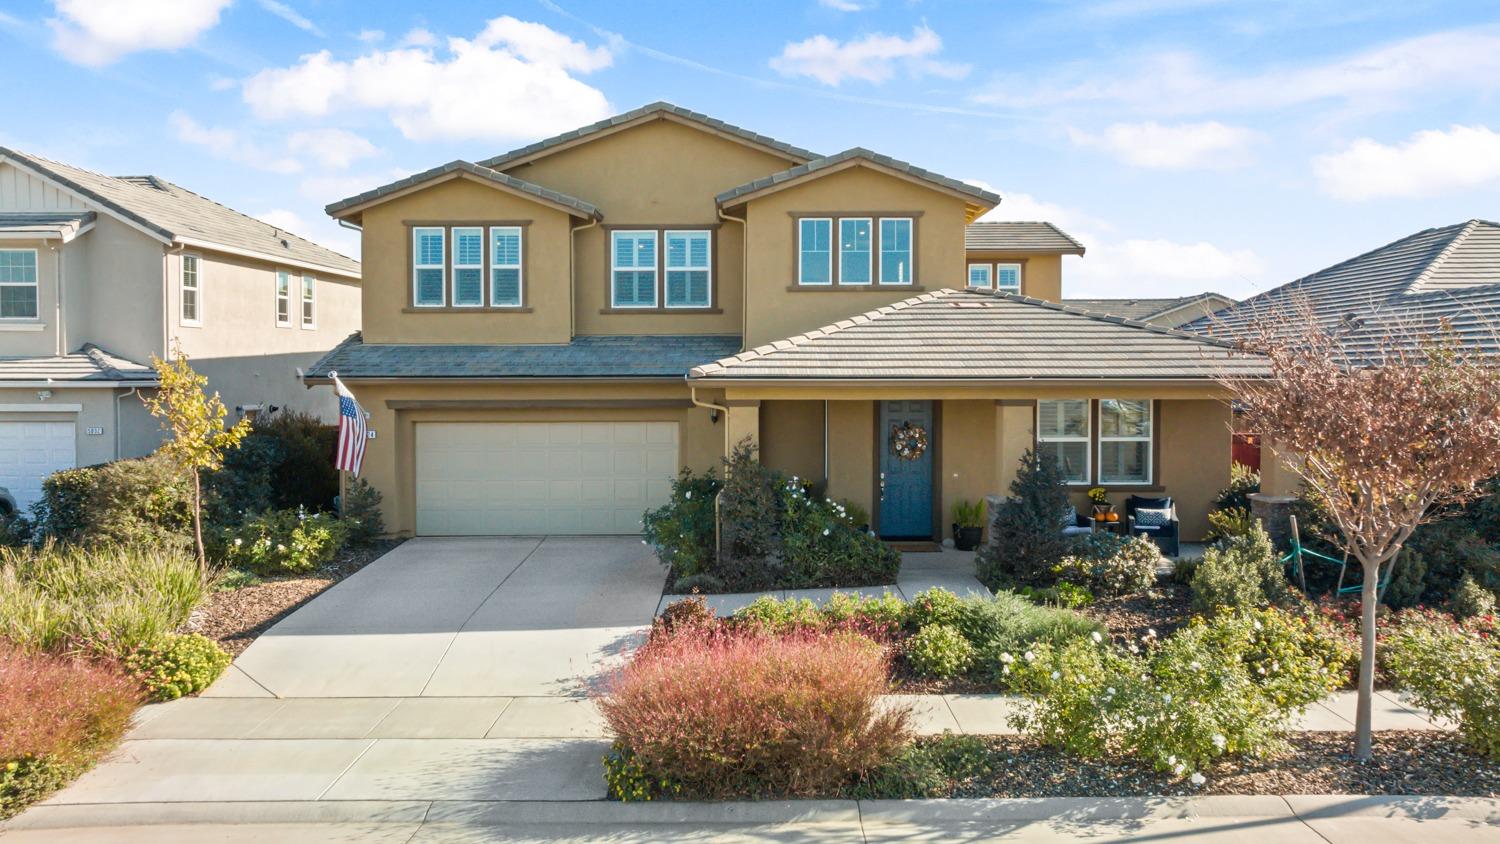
pixel 1062 436
pixel 428 267
pixel 191 292
pixel 283 297
pixel 633 269
pixel 468 267
pixel 815 251
pixel 688 269
pixel 981 275
pixel 505 266
pixel 18 284
pixel 854 250
pixel 309 302
pixel 1125 441
pixel 1008 278
pixel 895 250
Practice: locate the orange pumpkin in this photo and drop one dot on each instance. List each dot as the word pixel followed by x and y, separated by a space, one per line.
pixel 1111 517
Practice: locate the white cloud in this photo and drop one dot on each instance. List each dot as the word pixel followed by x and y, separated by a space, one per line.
pixel 1427 164
pixel 513 81
pixel 291 16
pixel 98 32
pixel 320 230
pixel 229 145
pixel 333 148
pixel 1186 146
pixel 418 37
pixel 281 218
pixel 846 5
pixel 871 58
pixel 370 36
pixel 220 83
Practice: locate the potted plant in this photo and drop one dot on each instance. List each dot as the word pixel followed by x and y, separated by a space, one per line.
pixel 1102 508
pixel 968 524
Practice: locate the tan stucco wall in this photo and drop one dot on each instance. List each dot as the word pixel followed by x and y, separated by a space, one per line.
pixel 791 437
pixel 775 312
pixel 35 337
pixel 121 280
pixel 967 464
pixel 1041 275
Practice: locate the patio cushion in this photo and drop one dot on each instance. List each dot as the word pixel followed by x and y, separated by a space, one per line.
pixel 1152 518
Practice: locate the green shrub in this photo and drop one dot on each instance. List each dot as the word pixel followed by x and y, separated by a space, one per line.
pixel 1407 579
pixel 1454 548
pixel 1296 660
pixel 1110 565
pixel 931 767
pixel 360 512
pixel 1026 539
pixel 1069 596
pixel 749 520
pixel 1454 674
pixel 627 781
pixel 939 650
pixel 1244 573
pixel 1470 600
pixel 177 666
pixel 706 584
pixel 1008 622
pixel 934 606
pixel 285 462
pixel 16 530
pixel 281 542
pixel 228 580
pixel 1229 523
pixel 682 530
pixel 128 502
pixel 1243 482
pixel 778 615
pixel 1184 568
pixel 819 548
pixel 877 615
pixel 968 514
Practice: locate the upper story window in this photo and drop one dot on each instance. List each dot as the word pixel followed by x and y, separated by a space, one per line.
pixel 815 251
pixel 1062 436
pixel 689 265
pixel 428 267
pixel 855 237
pixel 633 269
pixel 1125 441
pixel 468 266
pixel 18 284
pixel 283 298
pixel 855 251
pixel 191 311
pixel 895 250
pixel 309 302
pixel 982 275
pixel 1008 278
pixel 452 267
pixel 505 266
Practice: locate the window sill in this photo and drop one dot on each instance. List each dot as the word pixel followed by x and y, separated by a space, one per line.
pixel 854 288
pixel 661 310
pixel 22 326
pixel 451 310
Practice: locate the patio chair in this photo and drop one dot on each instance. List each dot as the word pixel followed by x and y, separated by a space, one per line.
pixel 1159 523
pixel 1075 525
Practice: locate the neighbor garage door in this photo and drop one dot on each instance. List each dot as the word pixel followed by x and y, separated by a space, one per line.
pixel 29 452
pixel 497 478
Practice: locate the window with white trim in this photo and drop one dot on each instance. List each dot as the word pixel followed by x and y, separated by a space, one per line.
pixel 1125 441
pixel 18 284
pixel 633 269
pixel 505 266
pixel 855 236
pixel 689 269
pixel 1062 436
pixel 1008 278
pixel 283 298
pixel 981 275
pixel 428 267
pixel 309 302
pixel 468 266
pixel 190 313
pixel 815 251
pixel 895 250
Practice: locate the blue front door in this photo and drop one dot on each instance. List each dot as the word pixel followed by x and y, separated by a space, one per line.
pixel 905 481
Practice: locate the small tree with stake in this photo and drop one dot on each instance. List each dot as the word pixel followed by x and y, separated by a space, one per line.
pixel 1384 427
pixel 195 422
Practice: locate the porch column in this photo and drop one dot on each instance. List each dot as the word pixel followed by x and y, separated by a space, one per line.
pixel 743 422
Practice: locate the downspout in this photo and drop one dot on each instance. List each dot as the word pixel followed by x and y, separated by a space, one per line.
pixel 744 275
pixel 59 343
pixel 133 391
pixel 724 412
pixel 573 274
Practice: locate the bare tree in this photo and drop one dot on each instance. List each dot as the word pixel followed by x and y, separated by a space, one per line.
pixel 1386 426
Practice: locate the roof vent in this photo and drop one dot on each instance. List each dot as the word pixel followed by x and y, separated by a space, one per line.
pixel 145 182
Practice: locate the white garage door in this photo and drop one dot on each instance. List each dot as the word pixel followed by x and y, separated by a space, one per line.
pixel 29 452
pixel 497 478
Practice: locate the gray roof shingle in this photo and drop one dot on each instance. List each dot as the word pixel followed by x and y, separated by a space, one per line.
pixel 88 364
pixel 1410 287
pixel 585 209
pixel 43 223
pixel 811 167
pixel 175 213
pixel 795 152
pixel 626 356
pixel 1141 309
pixel 1017 236
pixel 985 336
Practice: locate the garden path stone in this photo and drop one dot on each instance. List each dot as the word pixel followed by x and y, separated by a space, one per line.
pixel 550 717
pixel 1388 713
pixel 930 713
pixel 234 682
pixel 317 718
pixel 983 714
pixel 475 769
pixel 207 718
pixel 441 717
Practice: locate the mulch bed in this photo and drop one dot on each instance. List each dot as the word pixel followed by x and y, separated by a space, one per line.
pixel 1406 762
pixel 234 618
pixel 1164 608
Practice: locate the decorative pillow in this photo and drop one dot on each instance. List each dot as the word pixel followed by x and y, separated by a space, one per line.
pixel 1070 517
pixel 1153 518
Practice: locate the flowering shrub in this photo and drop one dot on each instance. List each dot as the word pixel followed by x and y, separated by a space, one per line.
pixel 682 530
pixel 1470 600
pixel 1243 571
pixel 282 542
pixel 1110 565
pixel 750 715
pixel 780 615
pixel 1296 660
pixel 934 606
pixel 1453 673
pixel 939 650
pixel 179 665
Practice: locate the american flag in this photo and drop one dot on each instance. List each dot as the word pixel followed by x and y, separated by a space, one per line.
pixel 352 436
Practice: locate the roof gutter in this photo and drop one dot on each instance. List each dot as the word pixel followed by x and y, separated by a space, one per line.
pixel 264 256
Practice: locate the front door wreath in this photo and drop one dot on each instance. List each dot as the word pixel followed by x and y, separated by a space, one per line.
pixel 908 441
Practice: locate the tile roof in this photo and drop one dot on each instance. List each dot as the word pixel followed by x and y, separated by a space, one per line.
pixel 984 336
pixel 176 214
pixel 1141 309
pixel 500 161
pixel 1412 286
pixel 855 153
pixel 627 356
pixel 62 224
pixel 88 364
pixel 585 209
pixel 1013 236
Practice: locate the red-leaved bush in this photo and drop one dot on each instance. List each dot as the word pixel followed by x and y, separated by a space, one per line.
pixel 61 709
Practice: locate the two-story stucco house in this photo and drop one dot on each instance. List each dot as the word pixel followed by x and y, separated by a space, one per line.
pixel 99 273
pixel 550 334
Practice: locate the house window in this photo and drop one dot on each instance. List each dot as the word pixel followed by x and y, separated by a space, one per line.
pixel 1125 441
pixel 815 251
pixel 689 265
pixel 854 250
pixel 981 275
pixel 191 292
pixel 283 298
pixel 309 302
pixel 18 284
pixel 633 269
pixel 505 266
pixel 895 250
pixel 1062 435
pixel 428 267
pixel 1008 278
pixel 468 267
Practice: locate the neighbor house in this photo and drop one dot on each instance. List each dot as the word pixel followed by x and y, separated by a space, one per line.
pixel 98 274
pixel 551 334
pixel 1172 312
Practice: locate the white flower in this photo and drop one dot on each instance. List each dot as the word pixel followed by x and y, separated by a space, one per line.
pixel 1056 675
pixel 1172 760
pixel 1097 637
pixel 1167 698
pixel 280 547
pixel 238 542
pixel 1196 665
pixel 1030 657
pixel 1198 779
pixel 1257 624
pixel 825 531
pixel 1151 633
pixel 688 495
pixel 1110 691
pixel 1179 770
pixel 1007 658
pixel 1220 742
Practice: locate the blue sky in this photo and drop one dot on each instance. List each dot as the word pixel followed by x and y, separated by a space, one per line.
pixel 1191 144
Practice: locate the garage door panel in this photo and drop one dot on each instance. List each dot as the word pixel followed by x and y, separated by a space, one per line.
pixel 496 478
pixel 29 452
